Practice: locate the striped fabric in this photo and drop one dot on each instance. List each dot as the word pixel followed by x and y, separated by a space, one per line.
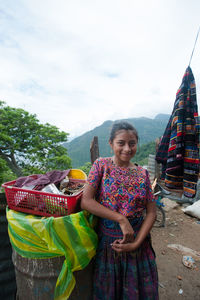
pixel 70 236
pixel 179 148
pixel 127 275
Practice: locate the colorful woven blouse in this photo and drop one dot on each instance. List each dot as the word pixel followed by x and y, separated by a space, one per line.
pixel 125 190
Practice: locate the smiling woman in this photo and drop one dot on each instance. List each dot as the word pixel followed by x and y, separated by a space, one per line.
pixel 124 143
pixel 119 192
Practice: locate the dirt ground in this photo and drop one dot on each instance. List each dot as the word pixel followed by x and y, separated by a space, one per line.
pixel 176 281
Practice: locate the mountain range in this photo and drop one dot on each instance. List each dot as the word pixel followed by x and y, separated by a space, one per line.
pixel 148 130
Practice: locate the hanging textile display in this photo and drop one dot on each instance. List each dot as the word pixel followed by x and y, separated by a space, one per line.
pixel 178 151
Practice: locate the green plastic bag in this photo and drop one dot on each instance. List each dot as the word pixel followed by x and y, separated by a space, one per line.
pixel 71 236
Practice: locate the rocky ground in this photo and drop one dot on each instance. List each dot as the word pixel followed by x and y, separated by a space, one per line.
pixel 176 281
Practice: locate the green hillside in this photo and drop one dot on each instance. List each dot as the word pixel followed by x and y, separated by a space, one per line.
pixel 148 130
pixel 143 152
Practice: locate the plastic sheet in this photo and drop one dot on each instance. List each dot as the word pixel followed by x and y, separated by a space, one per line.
pixel 71 236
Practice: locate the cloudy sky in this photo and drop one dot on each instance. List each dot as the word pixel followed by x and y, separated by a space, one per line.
pixel 77 63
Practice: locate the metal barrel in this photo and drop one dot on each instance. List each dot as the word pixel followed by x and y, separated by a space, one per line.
pixel 36 278
pixel 8 286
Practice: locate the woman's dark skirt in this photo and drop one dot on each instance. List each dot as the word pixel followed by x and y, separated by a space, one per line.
pixel 128 275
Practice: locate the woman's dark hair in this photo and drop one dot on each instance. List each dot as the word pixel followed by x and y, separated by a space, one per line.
pixel 122 125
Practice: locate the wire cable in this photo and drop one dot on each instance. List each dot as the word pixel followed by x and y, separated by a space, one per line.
pixel 194 46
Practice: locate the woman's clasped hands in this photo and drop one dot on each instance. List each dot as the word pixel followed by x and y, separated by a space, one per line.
pixel 128 242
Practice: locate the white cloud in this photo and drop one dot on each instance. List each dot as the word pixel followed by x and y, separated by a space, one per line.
pixel 78 63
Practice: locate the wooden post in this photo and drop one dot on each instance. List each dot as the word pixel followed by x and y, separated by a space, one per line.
pixel 94 149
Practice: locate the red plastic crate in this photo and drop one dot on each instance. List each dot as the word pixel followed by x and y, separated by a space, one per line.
pixel 41 203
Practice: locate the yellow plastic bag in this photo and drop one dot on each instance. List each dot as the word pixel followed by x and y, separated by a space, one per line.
pixel 71 236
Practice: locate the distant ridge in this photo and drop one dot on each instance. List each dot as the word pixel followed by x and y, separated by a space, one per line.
pixel 162 117
pixel 148 130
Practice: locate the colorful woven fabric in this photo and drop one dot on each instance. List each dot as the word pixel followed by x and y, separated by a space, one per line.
pixel 179 147
pixel 131 275
pixel 125 190
pixel 128 275
pixel 70 236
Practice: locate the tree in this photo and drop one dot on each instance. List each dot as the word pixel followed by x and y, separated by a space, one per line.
pixel 86 167
pixel 29 147
pixel 143 152
pixel 5 173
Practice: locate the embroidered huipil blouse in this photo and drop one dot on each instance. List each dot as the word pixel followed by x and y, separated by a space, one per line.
pixel 125 190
